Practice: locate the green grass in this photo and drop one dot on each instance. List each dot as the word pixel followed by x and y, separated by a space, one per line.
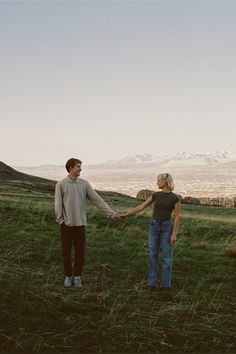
pixel 113 312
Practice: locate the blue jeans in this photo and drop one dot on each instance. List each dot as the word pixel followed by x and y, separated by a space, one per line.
pixel 159 239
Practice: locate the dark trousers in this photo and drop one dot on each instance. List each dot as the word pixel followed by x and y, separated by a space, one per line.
pixel 73 236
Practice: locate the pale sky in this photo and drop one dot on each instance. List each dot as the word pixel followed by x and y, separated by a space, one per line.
pixel 100 80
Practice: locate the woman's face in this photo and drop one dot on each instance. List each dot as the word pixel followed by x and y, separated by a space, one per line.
pixel 160 182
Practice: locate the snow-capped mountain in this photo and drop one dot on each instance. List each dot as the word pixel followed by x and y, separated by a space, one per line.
pixel 196 174
pixel 178 159
pixel 131 160
pixel 186 160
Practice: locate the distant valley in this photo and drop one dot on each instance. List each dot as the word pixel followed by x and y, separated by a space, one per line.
pixel 198 175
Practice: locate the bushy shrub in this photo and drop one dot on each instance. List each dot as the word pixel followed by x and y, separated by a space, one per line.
pixel 144 194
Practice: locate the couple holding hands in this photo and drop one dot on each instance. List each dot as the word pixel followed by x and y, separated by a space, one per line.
pixel 70 209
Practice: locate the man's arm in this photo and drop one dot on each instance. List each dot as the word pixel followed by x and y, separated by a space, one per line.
pixel 58 204
pixel 100 203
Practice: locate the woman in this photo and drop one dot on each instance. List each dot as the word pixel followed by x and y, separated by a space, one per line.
pixel 162 234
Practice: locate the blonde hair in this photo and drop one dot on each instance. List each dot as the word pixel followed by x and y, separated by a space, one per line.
pixel 168 178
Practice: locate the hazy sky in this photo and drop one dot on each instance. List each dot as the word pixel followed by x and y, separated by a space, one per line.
pixel 101 80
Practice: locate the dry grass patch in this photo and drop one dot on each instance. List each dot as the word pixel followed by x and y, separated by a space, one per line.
pixel 200 245
pixel 231 252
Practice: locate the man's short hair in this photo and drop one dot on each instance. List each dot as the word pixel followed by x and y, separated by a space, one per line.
pixel 71 163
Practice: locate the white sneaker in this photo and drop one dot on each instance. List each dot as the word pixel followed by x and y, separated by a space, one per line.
pixel 77 282
pixel 68 282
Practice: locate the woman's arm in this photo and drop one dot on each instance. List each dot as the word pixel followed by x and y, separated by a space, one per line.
pixel 176 222
pixel 138 208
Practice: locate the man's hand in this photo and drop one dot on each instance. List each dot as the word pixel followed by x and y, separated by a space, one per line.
pixel 172 239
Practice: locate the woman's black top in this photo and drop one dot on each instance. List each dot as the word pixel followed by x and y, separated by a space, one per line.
pixel 164 204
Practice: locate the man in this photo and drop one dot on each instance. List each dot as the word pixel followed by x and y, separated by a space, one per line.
pixel 70 209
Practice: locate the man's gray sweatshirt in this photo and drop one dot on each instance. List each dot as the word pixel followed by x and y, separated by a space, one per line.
pixel 70 202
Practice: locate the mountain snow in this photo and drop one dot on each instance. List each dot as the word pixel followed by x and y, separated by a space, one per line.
pixel 131 162
pixel 178 159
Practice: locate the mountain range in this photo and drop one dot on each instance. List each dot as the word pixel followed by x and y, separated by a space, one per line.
pixel 146 160
pixel 179 159
pixel 196 174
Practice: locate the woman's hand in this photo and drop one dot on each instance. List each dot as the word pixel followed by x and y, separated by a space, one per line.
pixel 116 217
pixel 172 239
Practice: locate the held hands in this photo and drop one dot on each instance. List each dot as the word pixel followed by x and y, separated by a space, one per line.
pixel 123 215
pixel 118 216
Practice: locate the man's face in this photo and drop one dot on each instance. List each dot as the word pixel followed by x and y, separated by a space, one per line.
pixel 75 171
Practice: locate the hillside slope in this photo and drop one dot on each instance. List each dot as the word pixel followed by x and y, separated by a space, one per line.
pixel 13 181
pixel 19 183
pixel 114 312
pixel 10 174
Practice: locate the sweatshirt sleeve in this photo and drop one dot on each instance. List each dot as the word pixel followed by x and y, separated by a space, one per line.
pixel 99 202
pixel 58 204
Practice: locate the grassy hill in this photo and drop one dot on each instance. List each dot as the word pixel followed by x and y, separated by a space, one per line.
pixel 113 312
pixel 15 182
